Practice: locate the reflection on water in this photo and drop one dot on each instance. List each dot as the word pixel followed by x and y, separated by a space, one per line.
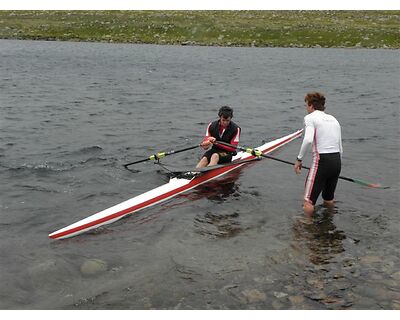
pixel 320 235
pixel 219 223
pixel 217 190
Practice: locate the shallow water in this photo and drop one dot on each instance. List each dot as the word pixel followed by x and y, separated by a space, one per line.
pixel 73 113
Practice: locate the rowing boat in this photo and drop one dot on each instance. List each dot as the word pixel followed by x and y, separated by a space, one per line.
pixel 174 187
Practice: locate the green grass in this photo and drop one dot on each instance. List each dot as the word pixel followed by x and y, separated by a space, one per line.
pixel 370 29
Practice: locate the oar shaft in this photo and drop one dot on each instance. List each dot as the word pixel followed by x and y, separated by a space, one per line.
pixel 258 153
pixel 181 150
pixel 160 155
pixel 249 150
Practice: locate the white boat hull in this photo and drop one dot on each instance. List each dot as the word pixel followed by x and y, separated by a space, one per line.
pixel 162 193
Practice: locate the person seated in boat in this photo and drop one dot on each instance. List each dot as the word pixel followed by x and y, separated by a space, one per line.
pixel 223 129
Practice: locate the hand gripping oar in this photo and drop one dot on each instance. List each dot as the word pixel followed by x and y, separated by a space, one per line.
pixel 161 155
pixel 258 153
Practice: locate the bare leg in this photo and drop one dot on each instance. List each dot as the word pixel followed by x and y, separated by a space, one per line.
pixel 202 163
pixel 214 159
pixel 329 203
pixel 308 208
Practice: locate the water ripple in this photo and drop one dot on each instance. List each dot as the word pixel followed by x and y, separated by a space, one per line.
pixel 218 225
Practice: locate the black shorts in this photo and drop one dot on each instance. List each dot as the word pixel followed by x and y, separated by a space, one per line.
pixel 323 177
pixel 224 157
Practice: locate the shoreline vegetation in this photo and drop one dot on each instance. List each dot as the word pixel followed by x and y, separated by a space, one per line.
pixel 326 29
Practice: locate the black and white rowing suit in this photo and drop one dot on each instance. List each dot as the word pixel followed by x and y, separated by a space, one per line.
pixel 323 132
pixel 230 135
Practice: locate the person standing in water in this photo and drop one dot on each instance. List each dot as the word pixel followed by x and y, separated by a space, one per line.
pixel 223 129
pixel 323 132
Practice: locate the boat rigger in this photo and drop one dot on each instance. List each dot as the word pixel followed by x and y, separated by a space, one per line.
pixel 165 192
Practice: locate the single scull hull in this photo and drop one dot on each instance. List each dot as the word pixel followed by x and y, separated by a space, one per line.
pixel 155 196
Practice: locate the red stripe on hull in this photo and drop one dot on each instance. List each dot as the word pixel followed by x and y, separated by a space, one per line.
pixel 193 183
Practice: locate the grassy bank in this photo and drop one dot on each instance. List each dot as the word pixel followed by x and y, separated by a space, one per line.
pixel 369 29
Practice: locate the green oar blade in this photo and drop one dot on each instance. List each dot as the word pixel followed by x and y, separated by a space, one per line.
pixel 366 184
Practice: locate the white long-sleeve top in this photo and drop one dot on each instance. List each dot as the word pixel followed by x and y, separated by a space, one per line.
pixel 323 132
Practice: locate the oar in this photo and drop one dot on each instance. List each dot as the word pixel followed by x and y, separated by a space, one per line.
pixel 258 153
pixel 161 155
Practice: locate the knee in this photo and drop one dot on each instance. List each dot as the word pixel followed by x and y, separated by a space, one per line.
pixel 203 162
pixel 214 157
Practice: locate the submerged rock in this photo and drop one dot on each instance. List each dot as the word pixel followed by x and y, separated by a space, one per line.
pixel 254 295
pixel 276 305
pixel 296 300
pixel 280 294
pixel 371 259
pixel 93 266
pixel 396 275
pixel 265 279
pixel 43 267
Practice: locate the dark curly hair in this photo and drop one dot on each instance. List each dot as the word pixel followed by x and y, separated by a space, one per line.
pixel 226 112
pixel 316 99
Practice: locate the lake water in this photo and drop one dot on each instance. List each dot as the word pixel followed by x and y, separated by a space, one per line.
pixel 71 114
